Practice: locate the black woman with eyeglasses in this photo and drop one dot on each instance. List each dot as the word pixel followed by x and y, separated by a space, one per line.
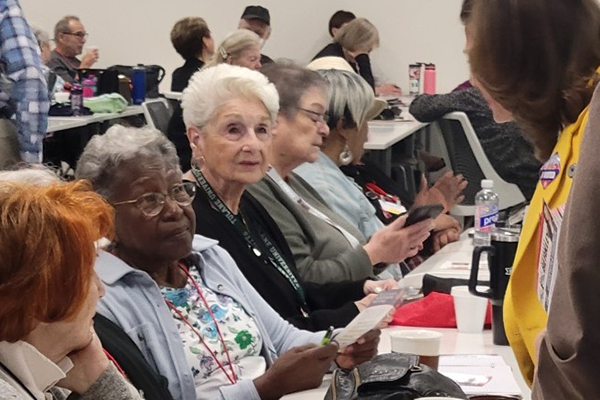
pixel 70 37
pixel 180 297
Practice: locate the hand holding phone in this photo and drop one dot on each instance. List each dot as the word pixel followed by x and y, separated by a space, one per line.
pixel 422 213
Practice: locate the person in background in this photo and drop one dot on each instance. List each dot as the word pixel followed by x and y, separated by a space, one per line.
pixel 180 296
pixel 225 164
pixel 23 90
pixel 339 19
pixel 70 37
pixel 49 291
pixel 351 106
pixel 551 104
pixel 240 47
pixel 258 20
pixel 55 82
pixel 509 152
pixel 326 247
pixel 192 39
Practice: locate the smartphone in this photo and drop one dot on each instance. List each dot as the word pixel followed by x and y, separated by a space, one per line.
pixel 422 213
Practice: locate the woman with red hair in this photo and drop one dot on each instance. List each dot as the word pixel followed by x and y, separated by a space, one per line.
pixel 49 292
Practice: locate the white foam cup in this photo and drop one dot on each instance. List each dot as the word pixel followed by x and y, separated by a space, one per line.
pixel 470 309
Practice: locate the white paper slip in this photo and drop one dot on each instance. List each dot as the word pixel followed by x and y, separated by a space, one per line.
pixel 480 374
pixel 368 319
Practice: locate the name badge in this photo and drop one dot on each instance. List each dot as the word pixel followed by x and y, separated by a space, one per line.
pixel 550 171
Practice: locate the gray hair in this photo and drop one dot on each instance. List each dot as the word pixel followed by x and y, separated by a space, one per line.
pixel 210 88
pixel 63 25
pixel 350 99
pixel 292 82
pixel 40 35
pixel 105 154
pixel 358 35
pixel 234 45
pixel 38 176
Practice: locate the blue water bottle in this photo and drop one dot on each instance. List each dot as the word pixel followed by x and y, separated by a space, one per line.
pixel 138 94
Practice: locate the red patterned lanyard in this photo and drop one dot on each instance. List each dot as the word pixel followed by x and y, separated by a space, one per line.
pixel 112 359
pixel 233 378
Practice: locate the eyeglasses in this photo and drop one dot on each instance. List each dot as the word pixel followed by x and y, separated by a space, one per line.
pixel 80 35
pixel 151 204
pixel 316 116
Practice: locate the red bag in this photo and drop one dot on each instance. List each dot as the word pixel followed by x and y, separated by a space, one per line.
pixel 435 310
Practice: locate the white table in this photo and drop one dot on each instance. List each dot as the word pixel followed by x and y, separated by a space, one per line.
pixel 62 123
pixel 453 342
pixel 172 95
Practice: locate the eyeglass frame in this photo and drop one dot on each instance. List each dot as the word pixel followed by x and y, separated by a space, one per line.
pixel 80 35
pixel 164 201
pixel 322 117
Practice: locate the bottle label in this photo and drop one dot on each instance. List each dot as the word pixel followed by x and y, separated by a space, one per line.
pixel 488 221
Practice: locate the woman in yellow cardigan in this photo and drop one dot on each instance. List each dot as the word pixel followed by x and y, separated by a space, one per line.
pixel 535 62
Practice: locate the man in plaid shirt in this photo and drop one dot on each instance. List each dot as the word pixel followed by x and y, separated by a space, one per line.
pixel 23 89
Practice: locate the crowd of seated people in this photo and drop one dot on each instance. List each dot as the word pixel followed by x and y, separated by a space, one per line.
pixel 209 263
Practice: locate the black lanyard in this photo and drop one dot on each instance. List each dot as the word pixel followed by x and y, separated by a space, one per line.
pixel 273 255
pixel 14 377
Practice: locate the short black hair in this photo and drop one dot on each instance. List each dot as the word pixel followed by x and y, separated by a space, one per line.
pixel 340 18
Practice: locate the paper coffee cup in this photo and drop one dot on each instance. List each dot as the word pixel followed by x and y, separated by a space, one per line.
pixel 422 342
pixel 469 309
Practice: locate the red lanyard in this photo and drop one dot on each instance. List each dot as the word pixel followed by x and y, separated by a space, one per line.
pixel 112 359
pixel 382 194
pixel 233 377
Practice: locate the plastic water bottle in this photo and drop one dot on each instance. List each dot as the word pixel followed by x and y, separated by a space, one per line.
pixel 76 99
pixel 486 213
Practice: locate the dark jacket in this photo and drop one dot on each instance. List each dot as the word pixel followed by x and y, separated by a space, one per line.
pixel 264 60
pixel 329 304
pixel 509 152
pixel 141 375
pixel 362 65
pixel 182 75
pixel 176 129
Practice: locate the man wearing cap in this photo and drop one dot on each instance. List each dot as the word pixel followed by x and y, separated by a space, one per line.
pixel 258 20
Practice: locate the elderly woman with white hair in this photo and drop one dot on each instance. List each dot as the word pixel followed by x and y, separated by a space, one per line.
pixel 351 105
pixel 180 297
pixel 240 47
pixel 55 82
pixel 229 112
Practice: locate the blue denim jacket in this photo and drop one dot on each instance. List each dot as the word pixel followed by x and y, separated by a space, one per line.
pixel 134 302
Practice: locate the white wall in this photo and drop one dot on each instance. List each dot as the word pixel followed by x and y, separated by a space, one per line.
pixel 137 31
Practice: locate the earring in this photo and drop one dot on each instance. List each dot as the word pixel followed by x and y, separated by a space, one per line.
pixel 346 155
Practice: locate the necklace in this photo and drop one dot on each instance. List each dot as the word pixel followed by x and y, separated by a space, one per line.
pixel 233 377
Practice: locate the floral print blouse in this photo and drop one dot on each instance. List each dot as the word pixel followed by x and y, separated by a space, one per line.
pixel 239 330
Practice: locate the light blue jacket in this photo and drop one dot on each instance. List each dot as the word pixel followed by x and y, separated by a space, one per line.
pixel 341 194
pixel 134 302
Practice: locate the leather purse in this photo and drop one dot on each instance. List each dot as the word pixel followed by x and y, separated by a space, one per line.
pixel 393 376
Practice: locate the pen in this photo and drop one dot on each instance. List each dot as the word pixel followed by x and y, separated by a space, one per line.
pixel 327 337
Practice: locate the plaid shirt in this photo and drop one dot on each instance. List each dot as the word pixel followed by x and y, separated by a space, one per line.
pixel 28 93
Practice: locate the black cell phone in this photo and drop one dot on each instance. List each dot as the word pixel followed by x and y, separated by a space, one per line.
pixel 422 213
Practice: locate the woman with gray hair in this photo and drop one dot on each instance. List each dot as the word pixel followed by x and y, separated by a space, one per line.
pixel 326 247
pixel 351 105
pixel 353 42
pixel 180 297
pixel 240 47
pixel 55 82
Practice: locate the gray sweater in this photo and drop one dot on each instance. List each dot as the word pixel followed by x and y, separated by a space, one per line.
pixel 321 252
pixel 509 152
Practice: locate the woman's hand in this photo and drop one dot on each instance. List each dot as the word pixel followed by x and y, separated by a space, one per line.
pixel 395 243
pixel 379 286
pixel 447 191
pixel 363 350
pixel 364 302
pixel 300 368
pixel 89 363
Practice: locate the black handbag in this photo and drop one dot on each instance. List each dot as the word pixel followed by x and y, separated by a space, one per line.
pixel 392 376
pixel 154 76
